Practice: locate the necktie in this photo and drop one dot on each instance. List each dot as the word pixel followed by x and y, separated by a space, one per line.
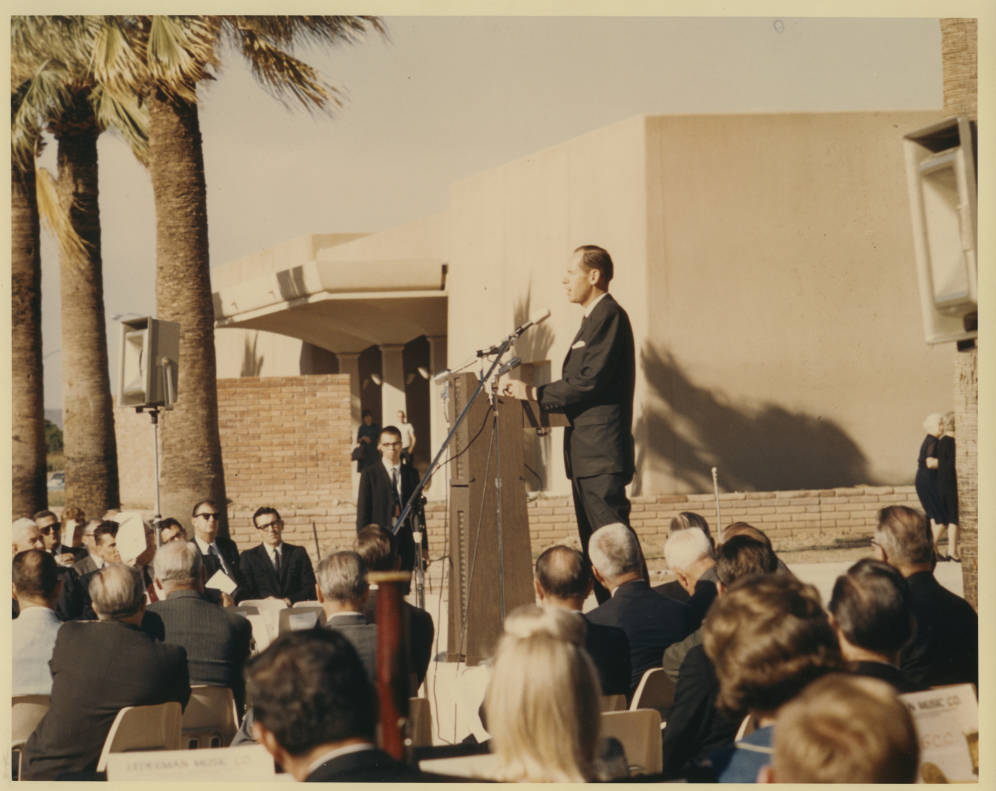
pixel 276 561
pixel 394 484
pixel 221 561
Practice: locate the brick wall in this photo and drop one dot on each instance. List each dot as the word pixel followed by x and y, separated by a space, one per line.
pixel 286 442
pixel 966 409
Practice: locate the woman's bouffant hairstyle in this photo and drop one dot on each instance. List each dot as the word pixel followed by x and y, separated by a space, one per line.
pixel 768 636
pixel 542 707
pixel 845 729
pixel 871 606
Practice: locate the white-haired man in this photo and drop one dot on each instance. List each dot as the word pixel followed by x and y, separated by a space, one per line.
pixel 651 622
pixel 216 639
pixel 342 589
pixel 97 670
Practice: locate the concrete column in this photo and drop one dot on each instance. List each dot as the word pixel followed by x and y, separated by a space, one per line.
pixel 349 363
pixel 392 391
pixel 437 417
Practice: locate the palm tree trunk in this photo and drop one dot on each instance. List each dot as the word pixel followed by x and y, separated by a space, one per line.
pixel 88 433
pixel 28 407
pixel 191 458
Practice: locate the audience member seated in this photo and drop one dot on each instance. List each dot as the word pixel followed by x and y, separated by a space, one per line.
pixel 691 557
pixel 171 530
pixel 274 568
pixel 316 711
pixel 686 520
pixel 870 611
pixel 945 645
pixel 768 637
pixel 745 529
pixel 563 580
pixel 90 561
pixel 377 549
pixel 74 603
pixel 25 535
pixel 218 552
pixel 542 703
pixel 51 530
pixel 844 729
pixel 342 590
pixel 695 727
pixel 36 587
pixel 98 669
pixel 651 622
pixel 216 640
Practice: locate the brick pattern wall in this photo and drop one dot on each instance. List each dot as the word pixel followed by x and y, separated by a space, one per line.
pixel 286 443
pixel 966 409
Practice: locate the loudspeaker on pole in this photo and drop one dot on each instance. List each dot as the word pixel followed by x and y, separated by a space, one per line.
pixel 150 355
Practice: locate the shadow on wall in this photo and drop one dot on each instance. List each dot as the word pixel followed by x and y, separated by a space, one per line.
pixel 756 447
pixel 534 345
pixel 252 363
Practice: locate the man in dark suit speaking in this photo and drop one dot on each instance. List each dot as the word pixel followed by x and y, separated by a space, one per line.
pixel 595 391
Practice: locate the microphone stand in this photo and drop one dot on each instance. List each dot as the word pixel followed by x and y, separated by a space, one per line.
pixel 499 351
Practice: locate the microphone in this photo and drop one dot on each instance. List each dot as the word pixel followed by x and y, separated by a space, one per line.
pixel 537 319
pixel 515 362
pixel 443 376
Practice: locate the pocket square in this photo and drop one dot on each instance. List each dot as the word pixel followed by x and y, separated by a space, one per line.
pixel 578 345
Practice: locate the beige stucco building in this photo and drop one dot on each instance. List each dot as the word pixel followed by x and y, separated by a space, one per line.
pixel 766 263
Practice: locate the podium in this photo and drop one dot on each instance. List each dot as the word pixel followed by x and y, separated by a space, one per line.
pixel 475 613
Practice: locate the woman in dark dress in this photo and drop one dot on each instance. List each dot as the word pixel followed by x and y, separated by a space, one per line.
pixel 926 472
pixel 947 487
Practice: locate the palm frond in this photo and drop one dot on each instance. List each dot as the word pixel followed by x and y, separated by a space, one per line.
pixel 181 52
pixel 35 102
pixel 116 62
pixel 288 31
pixel 123 113
pixel 286 77
pixel 55 215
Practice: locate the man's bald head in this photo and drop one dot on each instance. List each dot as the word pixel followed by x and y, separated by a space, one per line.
pixel 563 575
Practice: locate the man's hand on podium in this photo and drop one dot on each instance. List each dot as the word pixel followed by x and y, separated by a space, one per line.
pixel 516 388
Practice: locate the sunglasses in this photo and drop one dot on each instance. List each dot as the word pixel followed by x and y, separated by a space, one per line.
pixel 209 516
pixel 48 529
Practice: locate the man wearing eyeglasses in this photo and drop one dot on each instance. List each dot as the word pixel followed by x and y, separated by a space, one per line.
pixel 50 529
pixel 384 490
pixel 275 569
pixel 217 552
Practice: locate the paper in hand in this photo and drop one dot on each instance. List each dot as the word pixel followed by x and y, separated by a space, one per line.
pixel 221 581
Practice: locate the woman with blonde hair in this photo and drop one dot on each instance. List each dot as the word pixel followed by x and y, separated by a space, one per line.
pixel 542 704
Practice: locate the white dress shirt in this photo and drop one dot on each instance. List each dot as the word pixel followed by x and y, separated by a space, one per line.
pixel 33 635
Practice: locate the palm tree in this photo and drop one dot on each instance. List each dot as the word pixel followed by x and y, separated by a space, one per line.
pixel 28 413
pixel 163 59
pixel 56 89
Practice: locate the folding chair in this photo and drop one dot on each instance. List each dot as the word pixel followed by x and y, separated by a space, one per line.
pixel 639 732
pixel 291 619
pixel 420 722
pixel 655 691
pixel 210 719
pixel 613 703
pixel 747 726
pixel 26 712
pixel 143 728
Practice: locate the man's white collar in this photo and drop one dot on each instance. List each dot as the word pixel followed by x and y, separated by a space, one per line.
pixel 591 305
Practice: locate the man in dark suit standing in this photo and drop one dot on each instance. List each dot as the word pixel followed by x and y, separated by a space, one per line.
pixel 216 640
pixel 217 552
pixel 274 568
pixel 98 669
pixel 595 391
pixel 332 742
pixel 384 490
pixel 651 622
pixel 563 579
